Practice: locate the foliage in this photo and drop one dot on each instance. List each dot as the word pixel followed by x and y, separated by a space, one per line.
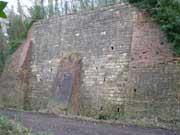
pixel 2 46
pixel 167 14
pixel 1 61
pixel 92 4
pixel 8 128
pixel 17 32
pixel 19 24
pixel 37 13
pixel 56 7
pixel 2 6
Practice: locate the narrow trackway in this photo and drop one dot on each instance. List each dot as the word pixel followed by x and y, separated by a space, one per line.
pixel 67 126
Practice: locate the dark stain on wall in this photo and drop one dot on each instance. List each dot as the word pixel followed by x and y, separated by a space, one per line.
pixel 66 84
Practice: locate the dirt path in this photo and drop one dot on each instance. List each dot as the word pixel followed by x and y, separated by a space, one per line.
pixel 66 126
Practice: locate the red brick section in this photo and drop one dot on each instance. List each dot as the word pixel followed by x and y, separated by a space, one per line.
pixel 14 83
pixel 20 65
pixel 19 58
pixel 153 76
pixel 148 44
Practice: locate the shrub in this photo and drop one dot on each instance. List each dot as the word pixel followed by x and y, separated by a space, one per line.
pixel 8 128
pixel 37 12
pixel 167 15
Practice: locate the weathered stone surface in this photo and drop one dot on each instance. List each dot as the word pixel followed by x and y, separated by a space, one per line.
pixel 66 85
pixel 153 77
pixel 102 38
pixel 126 72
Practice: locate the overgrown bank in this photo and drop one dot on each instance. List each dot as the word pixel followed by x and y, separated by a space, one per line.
pixel 15 34
pixel 167 15
pixel 9 128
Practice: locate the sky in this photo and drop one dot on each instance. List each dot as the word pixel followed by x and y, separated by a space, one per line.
pixel 13 3
pixel 24 3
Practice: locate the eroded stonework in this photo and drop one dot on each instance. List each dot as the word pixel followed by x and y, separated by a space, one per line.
pixel 124 69
pixel 102 38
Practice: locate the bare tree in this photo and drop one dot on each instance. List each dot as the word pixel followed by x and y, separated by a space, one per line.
pixel 50 5
pixel 66 7
pixel 92 4
pixel 42 7
pixel 57 7
pixel 20 10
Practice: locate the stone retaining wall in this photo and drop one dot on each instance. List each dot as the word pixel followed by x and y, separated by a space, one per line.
pixel 127 70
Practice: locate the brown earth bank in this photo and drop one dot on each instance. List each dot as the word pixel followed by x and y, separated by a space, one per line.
pixel 54 125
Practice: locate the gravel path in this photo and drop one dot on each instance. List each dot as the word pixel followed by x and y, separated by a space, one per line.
pixel 67 126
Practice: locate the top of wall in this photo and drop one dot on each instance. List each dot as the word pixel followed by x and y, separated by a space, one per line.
pixel 82 13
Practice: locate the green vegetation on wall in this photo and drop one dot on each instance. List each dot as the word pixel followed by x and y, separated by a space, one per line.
pixel 167 14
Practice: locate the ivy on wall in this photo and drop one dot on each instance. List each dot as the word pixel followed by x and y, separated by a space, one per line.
pixel 167 15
